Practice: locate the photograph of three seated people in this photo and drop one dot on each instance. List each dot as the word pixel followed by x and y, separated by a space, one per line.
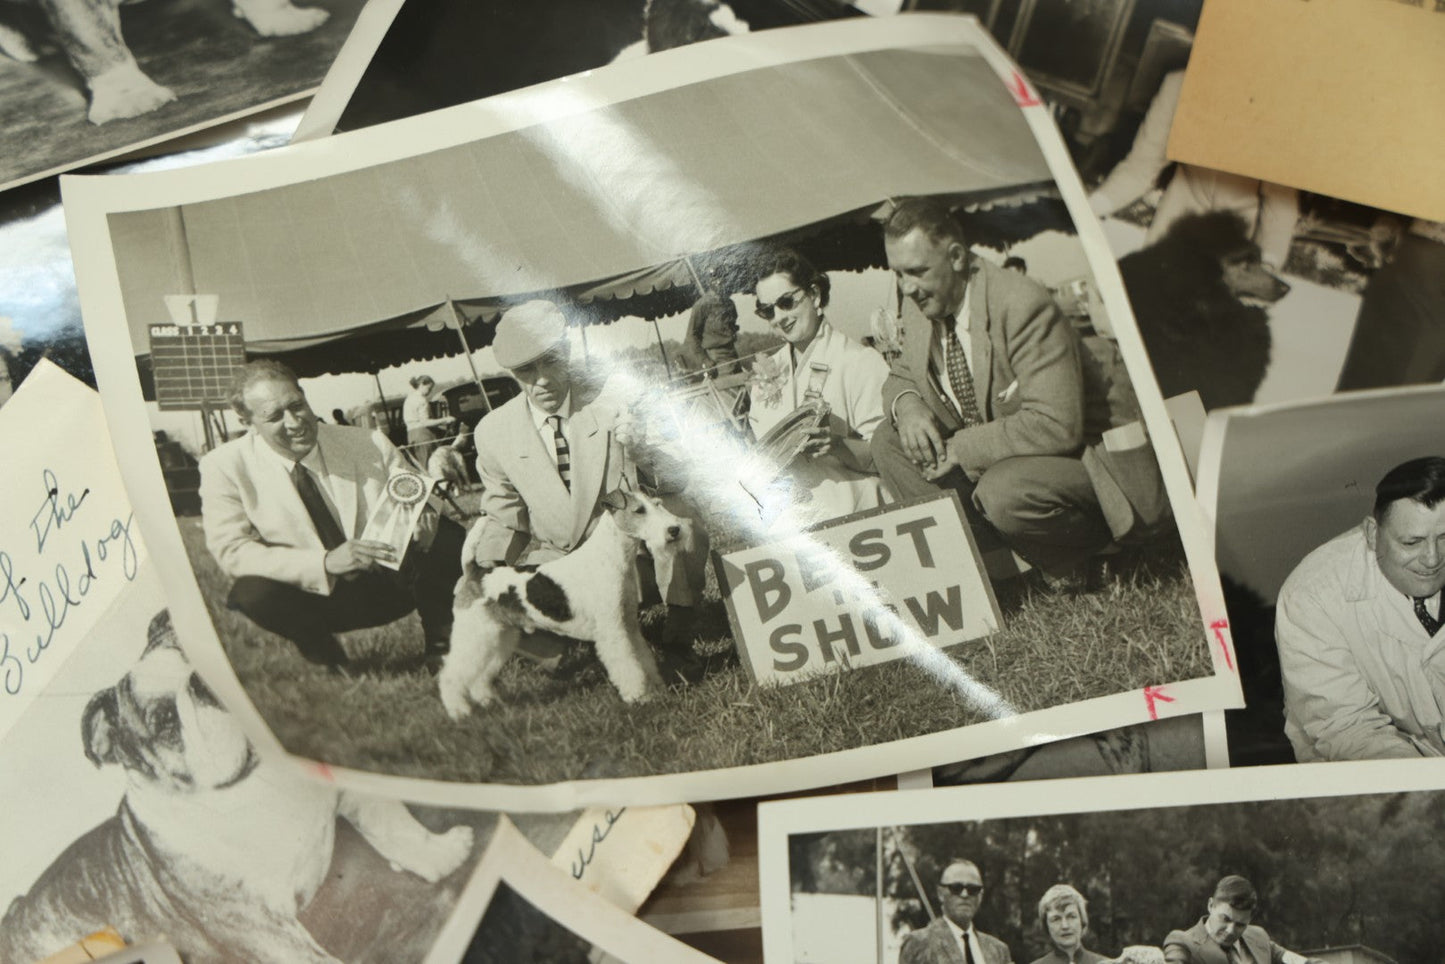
pixel 996 388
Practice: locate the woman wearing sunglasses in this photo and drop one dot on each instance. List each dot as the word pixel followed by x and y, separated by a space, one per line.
pixel 1064 916
pixel 817 363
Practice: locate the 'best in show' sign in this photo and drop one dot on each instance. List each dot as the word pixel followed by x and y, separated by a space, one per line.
pixel 864 589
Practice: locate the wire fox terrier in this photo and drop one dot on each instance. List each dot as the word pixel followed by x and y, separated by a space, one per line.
pixel 592 593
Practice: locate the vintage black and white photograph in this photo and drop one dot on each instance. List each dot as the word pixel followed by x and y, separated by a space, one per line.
pixel 1330 537
pixel 407 57
pixel 88 79
pixel 617 383
pixel 517 907
pixel 1286 864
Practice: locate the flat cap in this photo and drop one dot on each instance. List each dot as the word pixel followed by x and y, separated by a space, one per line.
pixel 528 331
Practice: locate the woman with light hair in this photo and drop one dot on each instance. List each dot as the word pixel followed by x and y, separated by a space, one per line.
pixel 1064 916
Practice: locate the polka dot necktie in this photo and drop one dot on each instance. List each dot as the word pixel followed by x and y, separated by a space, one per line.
pixel 564 452
pixel 959 377
pixel 1431 624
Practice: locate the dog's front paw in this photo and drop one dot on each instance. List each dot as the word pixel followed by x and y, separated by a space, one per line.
pixel 124 91
pixel 284 20
pixel 443 853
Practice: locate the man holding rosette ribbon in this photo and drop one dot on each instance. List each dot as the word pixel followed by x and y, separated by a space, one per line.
pixel 291 511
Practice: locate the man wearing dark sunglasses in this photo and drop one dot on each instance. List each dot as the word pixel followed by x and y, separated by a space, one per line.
pixel 951 938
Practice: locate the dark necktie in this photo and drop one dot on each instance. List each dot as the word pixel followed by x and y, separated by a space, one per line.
pixel 959 377
pixel 1431 624
pixel 564 452
pixel 967 944
pixel 321 517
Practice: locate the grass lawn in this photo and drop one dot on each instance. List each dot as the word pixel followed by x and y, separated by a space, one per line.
pixel 1142 628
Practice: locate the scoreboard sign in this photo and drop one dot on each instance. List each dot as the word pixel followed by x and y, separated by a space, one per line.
pixel 864 589
pixel 194 365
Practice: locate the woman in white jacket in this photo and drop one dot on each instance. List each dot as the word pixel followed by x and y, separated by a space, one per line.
pixel 818 363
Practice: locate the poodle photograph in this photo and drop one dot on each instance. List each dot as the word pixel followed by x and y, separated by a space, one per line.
pixel 1201 297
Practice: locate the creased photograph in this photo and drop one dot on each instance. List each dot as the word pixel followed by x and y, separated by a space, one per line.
pixel 719 454
pixel 84 80
pixel 1330 535
pixel 518 907
pixel 1292 865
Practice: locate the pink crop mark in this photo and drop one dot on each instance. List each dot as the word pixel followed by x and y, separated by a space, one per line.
pixel 324 772
pixel 1024 95
pixel 1219 626
pixel 1154 695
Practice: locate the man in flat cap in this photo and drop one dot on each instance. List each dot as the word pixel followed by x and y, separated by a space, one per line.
pixel 547 457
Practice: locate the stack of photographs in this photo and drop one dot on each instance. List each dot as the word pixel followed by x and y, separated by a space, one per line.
pixel 809 410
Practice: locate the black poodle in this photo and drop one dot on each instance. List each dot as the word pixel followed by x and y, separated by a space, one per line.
pixel 1197 294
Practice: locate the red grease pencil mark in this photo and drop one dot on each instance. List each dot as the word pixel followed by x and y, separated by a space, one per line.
pixel 1153 695
pixel 1024 95
pixel 1219 626
pixel 324 772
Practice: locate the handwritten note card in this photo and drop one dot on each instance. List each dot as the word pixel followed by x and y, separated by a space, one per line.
pixel 68 545
pixel 620 854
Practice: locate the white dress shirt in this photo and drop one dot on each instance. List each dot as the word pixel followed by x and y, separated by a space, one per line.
pixel 967 942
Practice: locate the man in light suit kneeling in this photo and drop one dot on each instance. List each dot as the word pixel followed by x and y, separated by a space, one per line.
pixel 283 508
pixel 1226 934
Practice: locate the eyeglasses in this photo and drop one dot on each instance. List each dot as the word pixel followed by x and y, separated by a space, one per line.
pixel 787 301
pixel 957 890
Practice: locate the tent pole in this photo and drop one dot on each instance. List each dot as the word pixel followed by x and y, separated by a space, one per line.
pixel 457 317
pixel 878 888
pixel 665 363
pixel 381 397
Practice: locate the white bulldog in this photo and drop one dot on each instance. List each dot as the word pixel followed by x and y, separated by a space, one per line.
pixel 211 848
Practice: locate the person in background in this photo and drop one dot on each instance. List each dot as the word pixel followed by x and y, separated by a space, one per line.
pixel 1269 210
pixel 421 434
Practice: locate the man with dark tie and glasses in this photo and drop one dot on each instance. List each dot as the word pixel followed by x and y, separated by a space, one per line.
pixel 1226 933
pixel 1358 628
pixel 988 399
pixel 283 508
pixel 951 938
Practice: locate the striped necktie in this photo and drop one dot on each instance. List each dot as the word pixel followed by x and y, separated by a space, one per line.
pixel 959 378
pixel 564 452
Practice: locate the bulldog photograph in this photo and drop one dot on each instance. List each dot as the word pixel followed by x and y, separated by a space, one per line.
pixel 1289 865
pixel 141 806
pixel 81 80
pixel 642 474
pixel 1330 537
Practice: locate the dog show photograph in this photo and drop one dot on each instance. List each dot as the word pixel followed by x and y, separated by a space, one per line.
pixel 81 80
pixel 848 471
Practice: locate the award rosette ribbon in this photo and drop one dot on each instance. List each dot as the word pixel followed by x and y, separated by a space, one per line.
pixel 394 520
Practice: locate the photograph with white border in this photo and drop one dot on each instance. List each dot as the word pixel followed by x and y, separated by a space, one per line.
pixel 1328 526
pixel 84 81
pixel 477 50
pixel 601 200
pixel 518 907
pixel 1318 863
